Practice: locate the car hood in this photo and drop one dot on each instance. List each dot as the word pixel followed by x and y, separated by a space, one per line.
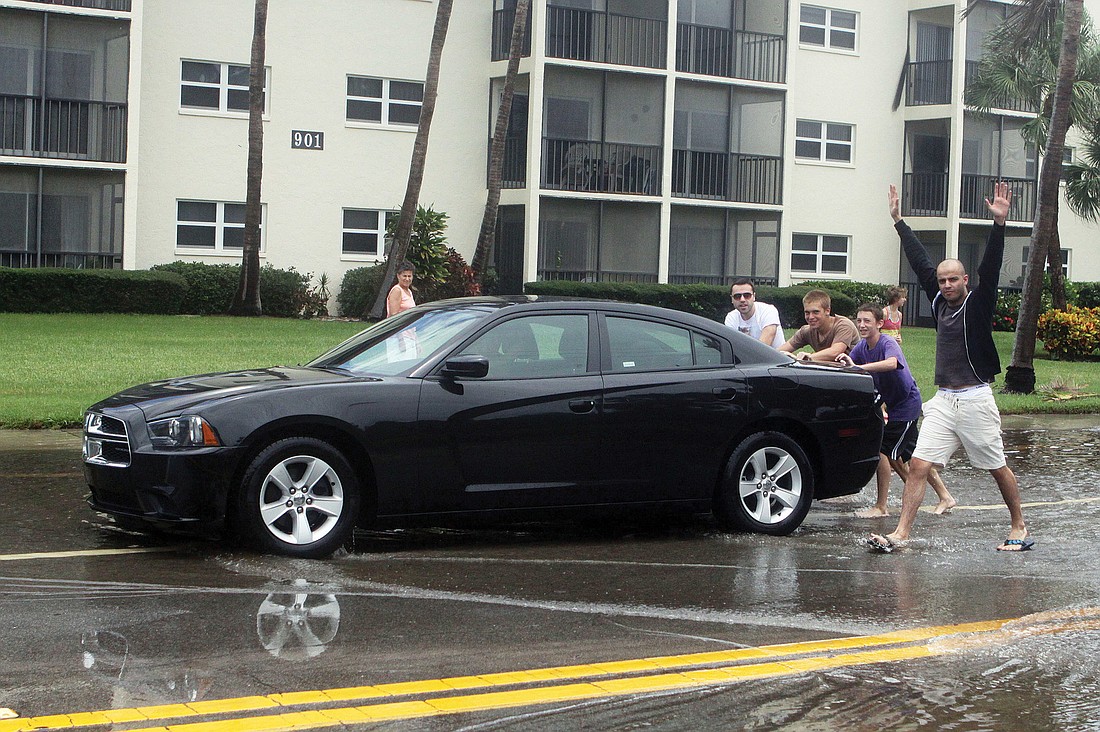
pixel 159 398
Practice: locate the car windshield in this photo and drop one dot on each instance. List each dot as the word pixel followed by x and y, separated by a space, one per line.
pixel 399 344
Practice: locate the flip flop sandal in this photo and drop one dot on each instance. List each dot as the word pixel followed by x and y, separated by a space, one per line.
pixel 1024 544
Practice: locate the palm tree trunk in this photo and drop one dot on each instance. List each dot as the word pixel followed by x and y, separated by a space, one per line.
pixel 419 157
pixel 1020 377
pixel 496 153
pixel 247 299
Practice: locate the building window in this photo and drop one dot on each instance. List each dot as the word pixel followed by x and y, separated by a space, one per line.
pixel 829 142
pixel 213 226
pixel 217 87
pixel 820 254
pixel 365 230
pixel 827 28
pixel 1066 253
pixel 384 101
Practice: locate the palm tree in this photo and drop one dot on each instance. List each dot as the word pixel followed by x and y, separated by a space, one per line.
pixel 247 299
pixel 1031 20
pixel 1009 73
pixel 419 157
pixel 1083 177
pixel 496 153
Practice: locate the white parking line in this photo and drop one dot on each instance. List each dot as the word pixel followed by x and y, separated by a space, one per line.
pixel 84 553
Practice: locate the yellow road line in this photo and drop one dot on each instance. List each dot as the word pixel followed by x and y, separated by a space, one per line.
pixel 495 680
pixel 84 553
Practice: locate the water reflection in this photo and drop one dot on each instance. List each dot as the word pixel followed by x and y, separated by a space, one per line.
pixel 293 625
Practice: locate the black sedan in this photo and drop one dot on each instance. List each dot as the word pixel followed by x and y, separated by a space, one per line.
pixel 502 408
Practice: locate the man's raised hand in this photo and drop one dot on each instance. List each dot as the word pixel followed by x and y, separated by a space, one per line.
pixel 1002 201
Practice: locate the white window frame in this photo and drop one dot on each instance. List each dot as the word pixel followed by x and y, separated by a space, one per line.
pixel 224 87
pixel 1067 254
pixel 380 231
pixel 819 253
pixel 829 28
pixel 219 225
pixel 385 100
pixel 824 141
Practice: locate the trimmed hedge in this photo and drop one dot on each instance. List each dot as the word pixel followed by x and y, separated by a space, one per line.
pixel 212 287
pixel 90 291
pixel 710 301
pixel 860 292
pixel 358 290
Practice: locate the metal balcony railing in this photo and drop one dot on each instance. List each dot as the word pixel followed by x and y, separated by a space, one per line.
pixel 71 129
pixel 503 20
pixel 601 167
pixel 18 258
pixel 704 49
pixel 712 279
pixel 1013 103
pixel 593 35
pixel 123 5
pixel 924 194
pixel 513 171
pixel 928 82
pixel 596 275
pixel 727 176
pixel 976 188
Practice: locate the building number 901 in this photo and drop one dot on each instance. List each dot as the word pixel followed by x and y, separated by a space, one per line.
pixel 307 140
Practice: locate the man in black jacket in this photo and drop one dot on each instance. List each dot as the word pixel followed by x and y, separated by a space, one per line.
pixel 963 411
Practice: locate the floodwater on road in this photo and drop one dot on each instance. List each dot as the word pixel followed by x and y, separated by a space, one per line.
pixel 998 641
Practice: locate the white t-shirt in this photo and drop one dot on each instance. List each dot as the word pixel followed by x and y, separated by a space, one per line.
pixel 763 316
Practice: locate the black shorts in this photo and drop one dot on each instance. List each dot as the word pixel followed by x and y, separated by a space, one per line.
pixel 899 438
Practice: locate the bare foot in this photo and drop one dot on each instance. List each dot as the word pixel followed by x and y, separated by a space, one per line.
pixel 872 512
pixel 945 505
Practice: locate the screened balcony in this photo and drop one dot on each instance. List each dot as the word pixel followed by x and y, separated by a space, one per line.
pixel 977 188
pixel 625 33
pixel 716 245
pixel 924 194
pixel 504 18
pixel 123 5
pixel 727 176
pixel 928 82
pixel 598 241
pixel 71 129
pixel 601 167
pixel 1012 103
pixel 702 49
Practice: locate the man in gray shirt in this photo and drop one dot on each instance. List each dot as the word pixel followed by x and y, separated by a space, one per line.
pixel 963 411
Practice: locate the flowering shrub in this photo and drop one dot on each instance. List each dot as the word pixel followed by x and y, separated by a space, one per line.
pixel 1006 310
pixel 1073 334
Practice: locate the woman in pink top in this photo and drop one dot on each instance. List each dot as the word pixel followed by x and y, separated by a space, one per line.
pixel 400 298
pixel 896 298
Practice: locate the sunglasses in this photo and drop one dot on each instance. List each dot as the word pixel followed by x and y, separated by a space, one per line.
pixel 741 295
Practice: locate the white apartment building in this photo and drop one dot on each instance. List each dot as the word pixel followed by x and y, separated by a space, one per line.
pixel 650 141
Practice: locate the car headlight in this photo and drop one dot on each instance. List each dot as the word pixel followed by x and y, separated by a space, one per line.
pixel 186 431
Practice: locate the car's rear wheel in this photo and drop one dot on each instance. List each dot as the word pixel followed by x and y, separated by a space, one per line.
pixel 299 497
pixel 767 486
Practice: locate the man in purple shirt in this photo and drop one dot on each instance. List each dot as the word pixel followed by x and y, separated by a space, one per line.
pixel 882 358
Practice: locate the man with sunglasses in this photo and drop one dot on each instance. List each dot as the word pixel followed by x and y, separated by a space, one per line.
pixel 756 319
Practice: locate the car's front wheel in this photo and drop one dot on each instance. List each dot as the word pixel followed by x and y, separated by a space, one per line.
pixel 299 497
pixel 767 486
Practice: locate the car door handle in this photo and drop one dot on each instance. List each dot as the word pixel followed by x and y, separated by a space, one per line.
pixel 725 393
pixel 582 406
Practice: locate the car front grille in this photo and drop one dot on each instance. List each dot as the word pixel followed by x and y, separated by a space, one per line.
pixel 106 441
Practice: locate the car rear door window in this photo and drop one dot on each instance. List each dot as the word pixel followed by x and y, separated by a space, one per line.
pixel 534 347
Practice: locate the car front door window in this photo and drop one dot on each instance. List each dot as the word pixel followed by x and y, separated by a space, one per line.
pixel 535 347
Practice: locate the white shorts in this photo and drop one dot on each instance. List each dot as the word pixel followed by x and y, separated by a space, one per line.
pixel 966 417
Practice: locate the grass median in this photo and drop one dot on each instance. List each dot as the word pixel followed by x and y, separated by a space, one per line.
pixel 55 366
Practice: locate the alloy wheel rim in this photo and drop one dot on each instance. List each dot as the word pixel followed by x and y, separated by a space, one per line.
pixel 301 500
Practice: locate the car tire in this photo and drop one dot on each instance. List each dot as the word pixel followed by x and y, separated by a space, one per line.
pixel 299 497
pixel 767 486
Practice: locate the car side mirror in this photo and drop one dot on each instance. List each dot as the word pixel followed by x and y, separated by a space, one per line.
pixel 470 367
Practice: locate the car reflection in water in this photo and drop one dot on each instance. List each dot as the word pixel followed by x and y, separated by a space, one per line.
pixel 293 626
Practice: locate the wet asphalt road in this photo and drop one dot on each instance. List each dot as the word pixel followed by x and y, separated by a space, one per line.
pixel 87 626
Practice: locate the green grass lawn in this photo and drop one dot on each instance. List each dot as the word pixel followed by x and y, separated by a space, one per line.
pixel 54 366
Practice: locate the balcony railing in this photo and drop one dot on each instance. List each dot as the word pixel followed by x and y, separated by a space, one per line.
pixel 18 258
pixel 71 129
pixel 123 5
pixel 513 171
pixel 977 188
pixel 595 275
pixel 601 167
pixel 928 82
pixel 593 35
pixel 924 194
pixel 704 49
pixel 727 176
pixel 708 279
pixel 1013 103
pixel 503 20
